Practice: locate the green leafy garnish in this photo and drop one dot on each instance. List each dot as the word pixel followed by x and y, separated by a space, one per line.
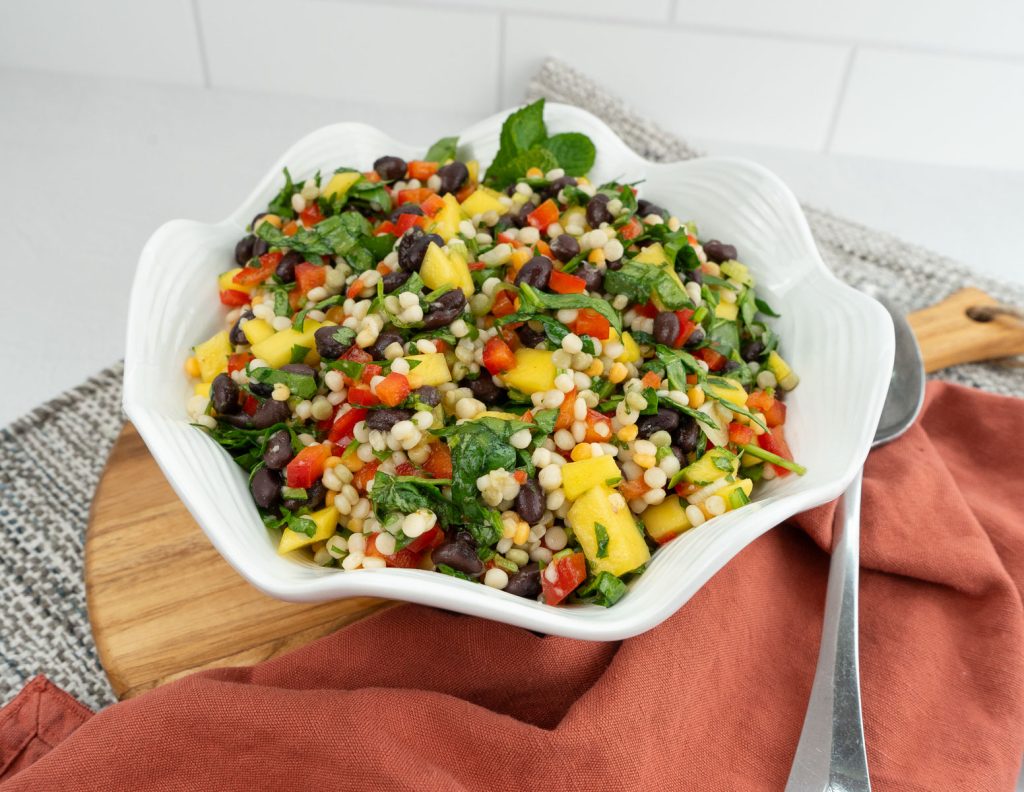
pixel 443 150
pixel 536 299
pixel 602 540
pixel 775 459
pixel 605 590
pixel 301 385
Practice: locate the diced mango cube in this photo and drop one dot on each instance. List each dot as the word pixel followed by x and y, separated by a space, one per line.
pixel 212 355
pixel 626 549
pixel 655 256
pixel 483 200
pixel 276 350
pixel 578 477
pixel 666 520
pixel 257 330
pixel 728 311
pixel 326 521
pixel 432 370
pixel 203 389
pixel 534 371
pixel 726 388
pixel 446 269
pixel 735 494
pixel 446 221
pixel 339 184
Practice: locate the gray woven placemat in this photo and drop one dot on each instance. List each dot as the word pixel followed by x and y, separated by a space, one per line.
pixel 51 460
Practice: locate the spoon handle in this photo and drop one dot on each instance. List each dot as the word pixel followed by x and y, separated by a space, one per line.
pixel 831 755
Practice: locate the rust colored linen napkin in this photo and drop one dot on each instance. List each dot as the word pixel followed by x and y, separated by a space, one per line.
pixel 714 698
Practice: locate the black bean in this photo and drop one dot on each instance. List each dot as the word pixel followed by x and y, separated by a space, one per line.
pixel 613 265
pixel 460 556
pixel 536 272
pixel 260 247
pixel 385 418
pixel 552 190
pixel 645 207
pixel 719 251
pixel 269 413
pixel 680 455
pixel 240 420
pixel 453 176
pixel 696 337
pixel 384 340
pixel 316 494
pixel 278 452
pixel 428 394
pixel 445 309
pixel 485 390
pixel 243 250
pixel 687 435
pixel 592 276
pixel 697 276
pixel 519 218
pixel 266 488
pixel 406 208
pixel 237 335
pixel 529 503
pixel 224 394
pixel 666 328
pixel 665 420
pixel 301 369
pixel 262 389
pixel 256 218
pixel 390 168
pixel 730 365
pixel 327 346
pixel 413 248
pixel 395 279
pixel 529 336
pixel 597 210
pixel 525 582
pixel 752 350
pixel 565 247
pixel 286 267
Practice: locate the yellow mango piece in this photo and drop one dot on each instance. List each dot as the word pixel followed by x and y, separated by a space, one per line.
pixel 446 221
pixel 326 521
pixel 499 414
pixel 339 184
pixel 203 389
pixel 626 549
pixel 631 350
pixel 666 520
pixel 534 371
pixel 212 355
pixel 225 282
pixel 432 370
pixel 728 311
pixel 746 486
pixel 787 379
pixel 257 330
pixel 276 350
pixel 446 269
pixel 655 256
pixel 735 271
pixel 474 171
pixel 578 477
pixel 483 200
pixel 726 388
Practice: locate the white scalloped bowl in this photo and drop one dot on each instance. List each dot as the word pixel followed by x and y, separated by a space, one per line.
pixel 839 341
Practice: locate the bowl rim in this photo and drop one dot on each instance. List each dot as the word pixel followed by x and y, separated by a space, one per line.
pixel 614 623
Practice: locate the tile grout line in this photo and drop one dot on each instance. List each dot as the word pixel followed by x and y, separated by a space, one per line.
pixel 502 28
pixel 844 85
pixel 204 63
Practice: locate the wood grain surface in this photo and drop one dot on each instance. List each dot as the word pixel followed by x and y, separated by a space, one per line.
pixel 163 603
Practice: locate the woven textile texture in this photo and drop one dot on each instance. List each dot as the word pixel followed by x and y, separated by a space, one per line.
pixel 44 508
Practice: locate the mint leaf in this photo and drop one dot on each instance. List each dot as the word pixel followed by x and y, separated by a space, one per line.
pixel 443 150
pixel 573 151
pixel 524 128
pixel 602 540
pixel 301 385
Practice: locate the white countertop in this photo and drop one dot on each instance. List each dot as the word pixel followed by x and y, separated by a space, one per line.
pixel 92 166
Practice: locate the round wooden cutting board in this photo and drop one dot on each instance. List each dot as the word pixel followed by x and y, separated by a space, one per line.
pixel 163 603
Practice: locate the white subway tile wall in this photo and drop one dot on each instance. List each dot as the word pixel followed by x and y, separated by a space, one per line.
pixel 939 81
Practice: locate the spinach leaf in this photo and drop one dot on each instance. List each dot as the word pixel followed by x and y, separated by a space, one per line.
pixel 379 246
pixel 765 308
pixel 338 236
pixel 406 494
pixel 602 540
pixel 281 204
pixel 299 353
pixel 537 299
pixel 301 385
pixel 724 335
pixel 372 194
pixel 444 569
pixel 573 151
pixel 604 590
pixel 553 329
pixel 443 150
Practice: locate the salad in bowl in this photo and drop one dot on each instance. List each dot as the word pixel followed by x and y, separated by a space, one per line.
pixel 515 376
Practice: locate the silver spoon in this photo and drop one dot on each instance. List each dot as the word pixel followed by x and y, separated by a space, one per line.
pixel 830 754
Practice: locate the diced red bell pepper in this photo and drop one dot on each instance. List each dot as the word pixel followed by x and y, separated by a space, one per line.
pixel 686 327
pixel 393 389
pixel 439 463
pixel 590 322
pixel 362 396
pixel 387 227
pixel 650 379
pixel 684 489
pixel 566 411
pixel 365 475
pixel 432 205
pixel 520 477
pixel 291 228
pixel 740 434
pixel 498 357
pixel 775 442
pixel 714 360
pixel 308 466
pixel 543 248
pixel 504 303
pixel 631 230
pixel 563 283
pixel 403 559
pixel 250 404
pixel 595 419
pixel 422 170
pixel 372 176
pixel 238 361
pixel 252 275
pixel 636 488
pixel 648 310
pixel 417 195
pixel 309 276
pixel 234 298
pixel 508 240
pixel 774 411
pixel 311 215
pixel 344 427
pixel 429 539
pixel 544 215
pixel 407 221
pixel 571 570
pixel 370 370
